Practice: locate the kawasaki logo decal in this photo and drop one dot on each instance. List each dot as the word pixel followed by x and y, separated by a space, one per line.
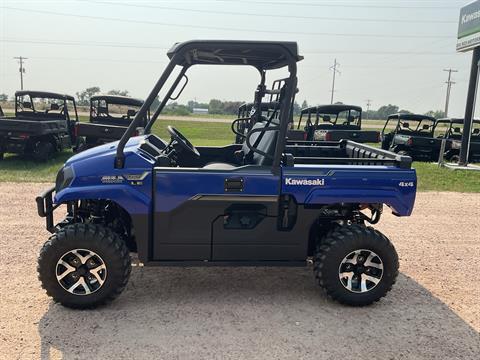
pixel 304 182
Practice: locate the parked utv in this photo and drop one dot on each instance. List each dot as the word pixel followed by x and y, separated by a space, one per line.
pixel 43 124
pixel 110 115
pixel 333 123
pixel 413 135
pixel 249 113
pixel 452 130
pixel 250 204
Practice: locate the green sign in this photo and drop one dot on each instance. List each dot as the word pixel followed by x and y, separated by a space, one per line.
pixel 469 27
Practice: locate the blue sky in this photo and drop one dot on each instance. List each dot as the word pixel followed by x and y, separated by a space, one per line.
pixel 390 51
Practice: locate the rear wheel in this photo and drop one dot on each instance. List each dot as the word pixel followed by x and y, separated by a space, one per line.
pixel 43 151
pixel 83 266
pixel 356 265
pixel 455 159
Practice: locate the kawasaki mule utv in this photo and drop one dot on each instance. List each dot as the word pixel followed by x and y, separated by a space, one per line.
pixel 452 130
pixel 412 136
pixel 110 115
pixel 43 124
pixel 253 204
pixel 333 123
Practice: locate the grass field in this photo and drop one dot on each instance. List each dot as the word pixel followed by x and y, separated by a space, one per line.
pixel 430 177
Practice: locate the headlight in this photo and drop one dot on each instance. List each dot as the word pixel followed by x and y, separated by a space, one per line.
pixel 64 178
pixel 456 144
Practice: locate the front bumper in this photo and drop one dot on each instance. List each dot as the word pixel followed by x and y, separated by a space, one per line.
pixel 45 207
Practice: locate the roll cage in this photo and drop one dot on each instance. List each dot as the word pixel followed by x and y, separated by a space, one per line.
pixel 425 125
pixel 454 128
pixel 262 55
pixel 55 110
pixel 115 109
pixel 329 114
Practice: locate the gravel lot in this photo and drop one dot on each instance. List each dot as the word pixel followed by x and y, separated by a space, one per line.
pixel 265 313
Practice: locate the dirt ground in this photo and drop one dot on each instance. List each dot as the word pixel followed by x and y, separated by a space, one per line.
pixel 433 312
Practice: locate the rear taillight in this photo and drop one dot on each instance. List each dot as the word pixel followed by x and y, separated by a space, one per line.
pixel 328 136
pixel 305 135
pixel 23 136
pixel 379 137
pixel 410 141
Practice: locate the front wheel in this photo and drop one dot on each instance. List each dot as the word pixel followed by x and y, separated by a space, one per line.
pixel 83 266
pixel 356 265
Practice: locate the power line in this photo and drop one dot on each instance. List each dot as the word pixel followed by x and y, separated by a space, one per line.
pixel 449 83
pixel 369 103
pixel 21 69
pixel 207 27
pixel 250 14
pixel 335 70
pixel 332 4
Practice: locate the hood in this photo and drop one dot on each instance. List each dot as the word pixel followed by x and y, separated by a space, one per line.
pixel 104 149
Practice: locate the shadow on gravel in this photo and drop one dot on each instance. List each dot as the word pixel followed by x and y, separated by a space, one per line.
pixel 254 313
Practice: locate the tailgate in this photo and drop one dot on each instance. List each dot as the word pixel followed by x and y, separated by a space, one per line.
pixel 100 131
pixel 360 136
pixel 14 127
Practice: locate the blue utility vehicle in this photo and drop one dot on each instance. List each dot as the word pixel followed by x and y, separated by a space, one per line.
pixel 259 203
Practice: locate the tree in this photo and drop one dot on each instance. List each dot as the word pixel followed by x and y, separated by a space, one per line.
pixel 215 106
pixel 304 104
pixel 118 92
pixel 437 114
pixel 3 97
pixel 84 96
pixel 386 110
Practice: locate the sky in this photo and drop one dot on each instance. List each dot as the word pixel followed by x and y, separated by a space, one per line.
pixel 389 51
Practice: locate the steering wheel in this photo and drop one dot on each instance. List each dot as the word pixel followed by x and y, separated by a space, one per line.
pixel 182 141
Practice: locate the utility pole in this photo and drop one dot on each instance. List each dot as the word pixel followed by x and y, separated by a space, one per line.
pixel 21 69
pixel 369 103
pixel 449 83
pixel 335 71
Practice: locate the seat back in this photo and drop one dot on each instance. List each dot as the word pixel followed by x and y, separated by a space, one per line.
pixel 265 144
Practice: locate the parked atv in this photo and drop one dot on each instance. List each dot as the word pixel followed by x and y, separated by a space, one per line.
pixel 110 116
pixel 259 203
pixel 412 135
pixel 43 124
pixel 333 123
pixel 452 130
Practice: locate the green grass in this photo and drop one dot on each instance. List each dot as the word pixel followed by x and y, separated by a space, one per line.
pixel 430 178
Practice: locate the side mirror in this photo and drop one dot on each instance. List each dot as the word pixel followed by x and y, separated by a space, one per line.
pixel 425 127
pixel 326 118
pixel 27 105
pixel 54 106
pixel 131 113
pixel 406 125
pixel 457 130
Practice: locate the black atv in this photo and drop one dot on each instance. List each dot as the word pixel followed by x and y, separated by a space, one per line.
pixel 110 116
pixel 452 130
pixel 43 124
pixel 413 135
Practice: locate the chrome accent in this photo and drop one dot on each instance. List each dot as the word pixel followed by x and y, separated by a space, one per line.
pixel 360 271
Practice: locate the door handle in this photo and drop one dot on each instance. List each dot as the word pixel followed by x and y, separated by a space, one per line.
pixel 233 184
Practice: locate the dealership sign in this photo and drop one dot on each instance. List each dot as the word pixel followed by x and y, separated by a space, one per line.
pixel 469 27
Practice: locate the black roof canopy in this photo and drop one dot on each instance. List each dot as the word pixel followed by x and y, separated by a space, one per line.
pixel 413 117
pixel 455 121
pixel 118 100
pixel 43 94
pixel 331 109
pixel 263 55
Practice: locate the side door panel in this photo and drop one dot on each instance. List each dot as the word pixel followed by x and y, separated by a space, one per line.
pixel 189 203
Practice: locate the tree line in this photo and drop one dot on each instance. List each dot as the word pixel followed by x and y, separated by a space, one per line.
pixel 220 107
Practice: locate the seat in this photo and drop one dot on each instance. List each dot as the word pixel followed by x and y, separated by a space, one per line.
pixel 247 157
